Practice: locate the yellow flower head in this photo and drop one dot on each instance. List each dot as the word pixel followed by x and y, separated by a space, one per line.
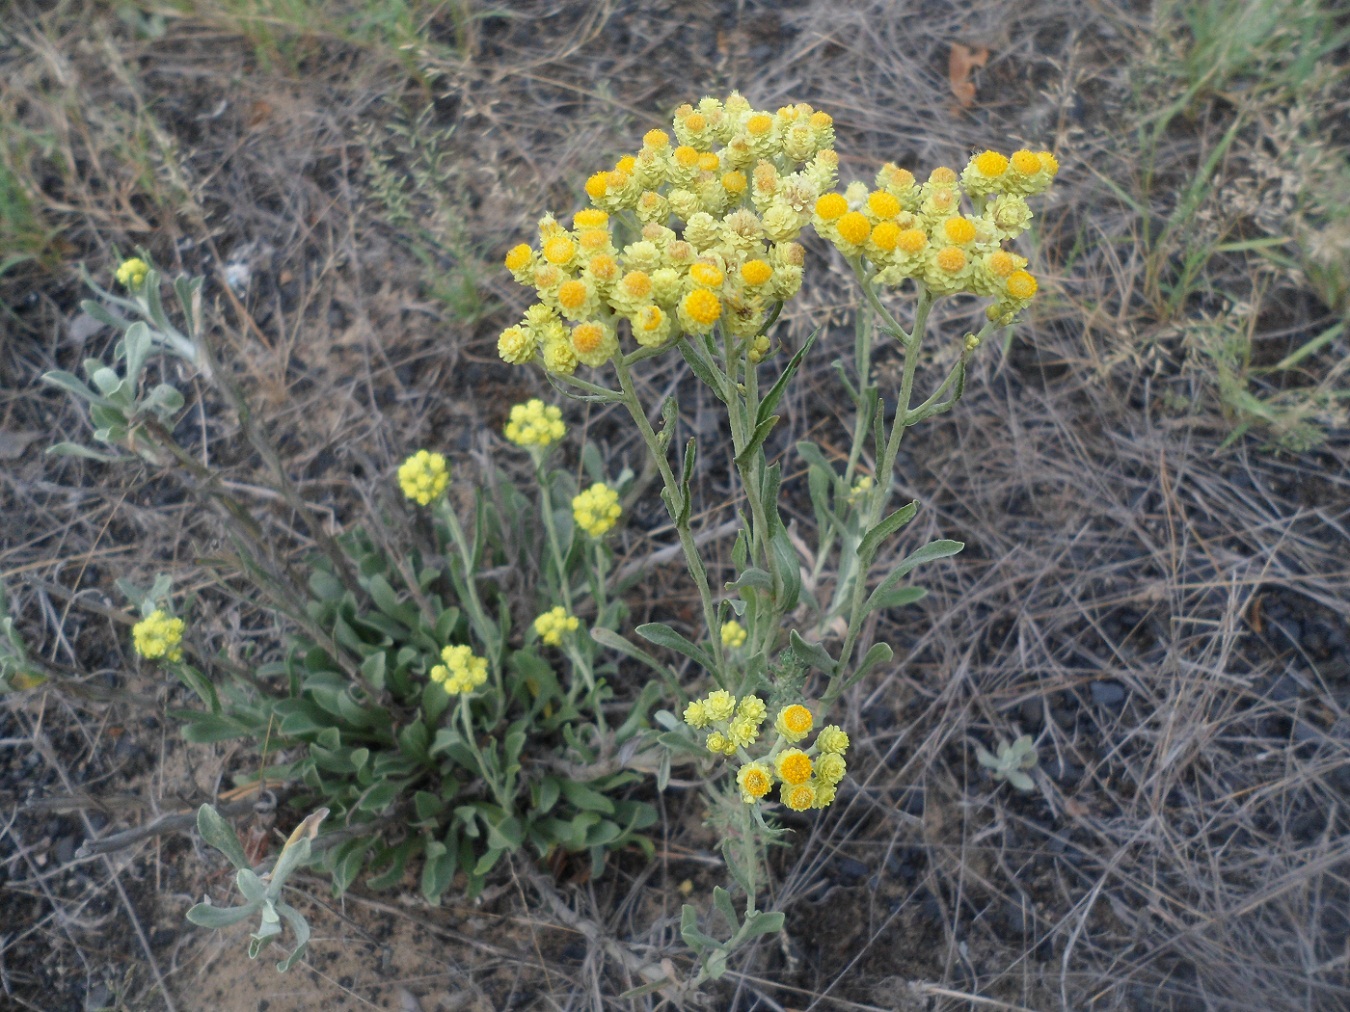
pixel 699 310
pixel 423 477
pixel 990 163
pixel 751 708
pixel 883 205
pixel 554 624
pixel 1026 162
pixel 517 345
pixel 755 781
pixel 657 140
pixel 594 343
pixel 854 228
pixel 132 273
pixel 793 766
pixel 958 230
pixel 794 722
pixel 720 743
pixel 734 182
pixel 158 636
pixel 706 274
pixel 742 733
pixel 831 207
pixel 825 794
pixel 733 634
pixel 519 258
pixel 559 250
pixel 830 768
pixel 597 509
pixel 535 423
pixel 590 218
pixel 756 272
pixel 832 740
pixel 1021 285
pixel 798 797
pixel 721 704
pixel 460 671
pixel 696 714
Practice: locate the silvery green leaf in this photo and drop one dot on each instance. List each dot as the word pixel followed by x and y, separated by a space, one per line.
pixel 207 916
pixel 136 346
pixel 251 886
pixel 301 928
pixel 217 832
pixel 70 383
pixel 1020 780
pixel 76 450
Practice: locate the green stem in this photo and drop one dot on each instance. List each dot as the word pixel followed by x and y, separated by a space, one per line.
pixel 471 740
pixel 468 589
pixel 546 504
pixel 881 494
pixel 674 493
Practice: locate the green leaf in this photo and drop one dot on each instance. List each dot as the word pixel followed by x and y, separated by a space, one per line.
pixel 689 931
pixel 612 640
pixel 701 368
pixel 71 384
pixel 207 916
pixel 301 928
pixel 664 636
pixel 722 901
pixel 764 922
pixel 787 566
pixel 205 728
pixel 867 548
pixel 136 345
pixel 687 476
pixel 757 438
pixel 549 790
pixel 775 393
pixel 894 599
pixel 670 415
pixel 76 450
pixel 221 835
pixel 928 553
pixel 811 653
pixel 880 653
pixel 586 799
pixel 199 684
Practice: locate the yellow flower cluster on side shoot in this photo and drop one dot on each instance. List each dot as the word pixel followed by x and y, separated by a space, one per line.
pixel 535 423
pixel 554 624
pixel 720 206
pixel 460 671
pixel 158 636
pixel 424 477
pixel 597 509
pixel 903 229
pixel 132 273
pixel 733 634
pixel 808 778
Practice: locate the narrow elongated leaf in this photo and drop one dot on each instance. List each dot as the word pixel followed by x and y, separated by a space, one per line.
pixel 205 915
pixel 811 653
pixel 612 640
pixel 930 552
pixel 775 393
pixel 221 835
pixel 871 541
pixel 664 636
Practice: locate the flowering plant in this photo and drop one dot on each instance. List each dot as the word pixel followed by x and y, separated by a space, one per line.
pixel 689 246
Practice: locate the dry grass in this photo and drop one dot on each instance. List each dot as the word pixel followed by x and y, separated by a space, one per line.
pixel 1169 620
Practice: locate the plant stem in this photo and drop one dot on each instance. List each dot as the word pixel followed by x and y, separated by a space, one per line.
pixel 674 495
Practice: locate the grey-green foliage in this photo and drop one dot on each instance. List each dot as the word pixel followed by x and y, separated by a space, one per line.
pixel 1012 762
pixel 262 893
pixel 119 406
pixel 15 670
pixel 714 953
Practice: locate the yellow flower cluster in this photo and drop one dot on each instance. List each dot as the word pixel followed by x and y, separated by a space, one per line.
pixel 423 477
pixel 721 205
pixel 460 671
pixel 158 637
pixel 132 273
pixel 905 229
pixel 809 778
pixel 554 624
pixel 535 423
pixel 597 509
pixel 733 634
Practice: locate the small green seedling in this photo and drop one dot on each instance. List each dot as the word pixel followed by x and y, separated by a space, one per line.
pixel 262 892
pixel 1012 762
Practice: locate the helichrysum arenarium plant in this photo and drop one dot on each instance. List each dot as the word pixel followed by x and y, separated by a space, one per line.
pixel 690 246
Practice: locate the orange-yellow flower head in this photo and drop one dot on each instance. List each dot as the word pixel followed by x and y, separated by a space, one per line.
pixel 1021 285
pixel 559 250
pixel 793 766
pixel 759 124
pixel 950 259
pixel 854 228
pixel 798 797
pixel 701 308
pixel 1026 162
pixel 831 207
pixel 756 272
pixel 755 781
pixel 959 230
pixel 519 257
pixel 886 236
pixel 882 204
pixel 794 722
pixel 657 140
pixel 912 240
pixel 991 163
pixel 705 274
pixel 590 217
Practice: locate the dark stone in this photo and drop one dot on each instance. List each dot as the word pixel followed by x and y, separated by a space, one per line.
pixel 1108 693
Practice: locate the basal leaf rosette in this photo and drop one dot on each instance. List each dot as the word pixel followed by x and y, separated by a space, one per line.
pixel 948 234
pixel 692 232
